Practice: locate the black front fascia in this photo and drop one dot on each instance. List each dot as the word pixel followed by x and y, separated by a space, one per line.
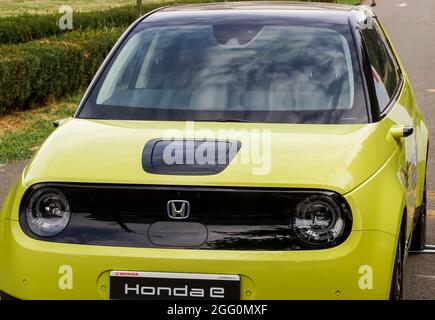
pixel 220 218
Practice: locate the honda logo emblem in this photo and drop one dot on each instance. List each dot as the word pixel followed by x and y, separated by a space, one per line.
pixel 178 209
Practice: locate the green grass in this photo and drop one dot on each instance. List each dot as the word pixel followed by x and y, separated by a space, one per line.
pixel 33 128
pixel 15 7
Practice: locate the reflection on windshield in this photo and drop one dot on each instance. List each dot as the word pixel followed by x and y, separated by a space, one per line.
pixel 220 68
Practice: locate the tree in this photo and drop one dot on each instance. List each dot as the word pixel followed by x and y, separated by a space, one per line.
pixel 139 7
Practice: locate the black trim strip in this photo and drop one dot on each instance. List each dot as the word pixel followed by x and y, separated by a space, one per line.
pixel 395 98
pixel 371 104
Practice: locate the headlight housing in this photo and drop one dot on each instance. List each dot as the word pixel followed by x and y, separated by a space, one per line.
pixel 47 212
pixel 320 220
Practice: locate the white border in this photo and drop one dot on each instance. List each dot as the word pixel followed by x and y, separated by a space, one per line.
pixel 170 275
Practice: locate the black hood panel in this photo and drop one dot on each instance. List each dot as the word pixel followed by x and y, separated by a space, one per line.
pixel 188 157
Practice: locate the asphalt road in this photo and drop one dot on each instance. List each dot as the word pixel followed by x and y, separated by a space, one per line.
pixel 411 25
pixel 8 174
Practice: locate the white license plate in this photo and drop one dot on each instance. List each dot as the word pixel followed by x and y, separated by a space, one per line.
pixel 162 285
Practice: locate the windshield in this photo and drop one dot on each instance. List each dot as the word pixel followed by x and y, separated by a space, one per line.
pixel 231 71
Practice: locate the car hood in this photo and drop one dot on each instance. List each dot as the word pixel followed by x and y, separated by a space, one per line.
pixel 332 157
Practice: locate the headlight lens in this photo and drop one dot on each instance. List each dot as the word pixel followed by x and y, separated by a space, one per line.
pixel 319 220
pixel 47 212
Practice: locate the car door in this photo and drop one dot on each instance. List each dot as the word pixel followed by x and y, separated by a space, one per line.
pixel 396 104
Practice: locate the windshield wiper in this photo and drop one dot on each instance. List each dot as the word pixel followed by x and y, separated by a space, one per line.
pixel 224 120
pixel 231 120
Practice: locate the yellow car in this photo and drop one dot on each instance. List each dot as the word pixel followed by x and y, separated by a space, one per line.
pixel 228 151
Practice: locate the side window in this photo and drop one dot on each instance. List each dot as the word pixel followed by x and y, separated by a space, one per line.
pixel 385 69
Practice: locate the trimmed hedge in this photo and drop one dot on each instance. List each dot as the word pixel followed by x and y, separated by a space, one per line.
pixel 29 27
pixel 31 73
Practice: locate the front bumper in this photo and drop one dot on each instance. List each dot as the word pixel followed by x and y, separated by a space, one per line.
pixel 33 269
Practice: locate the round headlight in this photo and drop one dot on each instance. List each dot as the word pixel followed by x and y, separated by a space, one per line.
pixel 319 220
pixel 47 212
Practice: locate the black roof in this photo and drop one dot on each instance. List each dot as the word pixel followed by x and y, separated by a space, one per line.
pixel 327 12
pixel 262 5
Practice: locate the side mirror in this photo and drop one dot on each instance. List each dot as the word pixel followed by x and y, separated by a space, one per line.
pixel 58 122
pixel 401 131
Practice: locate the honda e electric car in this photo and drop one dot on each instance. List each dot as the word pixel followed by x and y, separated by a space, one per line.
pixel 228 151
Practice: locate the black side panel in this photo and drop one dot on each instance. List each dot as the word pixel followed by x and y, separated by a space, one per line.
pixel 188 157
